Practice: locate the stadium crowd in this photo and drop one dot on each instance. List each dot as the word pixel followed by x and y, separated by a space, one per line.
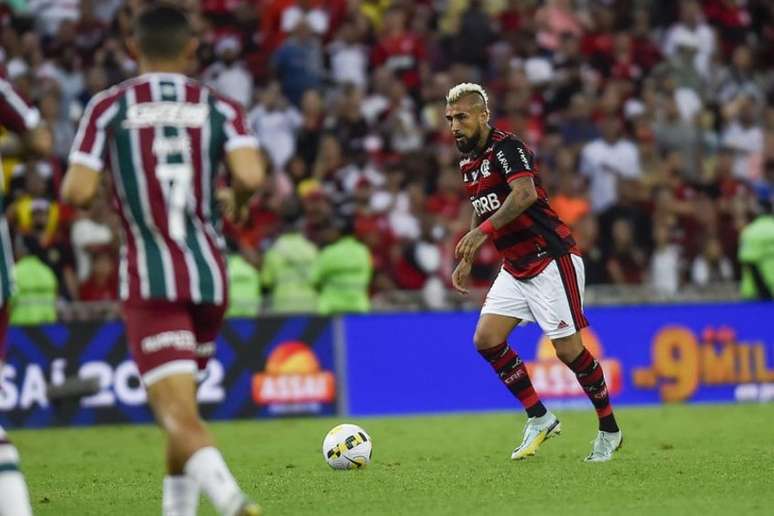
pixel 653 122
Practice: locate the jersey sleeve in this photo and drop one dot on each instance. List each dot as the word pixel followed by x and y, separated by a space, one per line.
pixel 89 145
pixel 15 114
pixel 513 159
pixel 235 126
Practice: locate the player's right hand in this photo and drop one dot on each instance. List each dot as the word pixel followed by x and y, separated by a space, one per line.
pixel 460 276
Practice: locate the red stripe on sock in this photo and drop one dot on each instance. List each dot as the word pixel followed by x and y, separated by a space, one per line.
pixel 502 362
pixel 583 362
pixel 605 411
pixel 594 377
pixel 528 398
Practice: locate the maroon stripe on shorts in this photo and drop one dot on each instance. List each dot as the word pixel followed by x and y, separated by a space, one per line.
pixel 571 289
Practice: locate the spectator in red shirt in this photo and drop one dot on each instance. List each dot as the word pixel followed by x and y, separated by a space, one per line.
pixel 399 50
pixel 102 284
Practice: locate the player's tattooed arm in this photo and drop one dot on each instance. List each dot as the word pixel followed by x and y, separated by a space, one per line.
pixel 522 195
pixel 475 220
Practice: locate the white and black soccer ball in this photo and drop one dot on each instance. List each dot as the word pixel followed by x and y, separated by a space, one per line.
pixel 347 447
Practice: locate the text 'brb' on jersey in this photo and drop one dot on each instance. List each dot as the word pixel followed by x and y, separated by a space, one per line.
pixel 163 137
pixel 537 236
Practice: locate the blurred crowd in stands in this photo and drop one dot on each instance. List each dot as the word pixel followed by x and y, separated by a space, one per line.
pixel 653 123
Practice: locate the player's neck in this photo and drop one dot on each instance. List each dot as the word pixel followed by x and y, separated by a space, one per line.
pixel 481 144
pixel 147 66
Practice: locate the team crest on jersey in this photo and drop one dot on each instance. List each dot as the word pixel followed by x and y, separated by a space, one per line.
pixel 176 114
pixel 485 168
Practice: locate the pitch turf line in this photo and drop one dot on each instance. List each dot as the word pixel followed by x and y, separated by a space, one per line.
pixel 705 460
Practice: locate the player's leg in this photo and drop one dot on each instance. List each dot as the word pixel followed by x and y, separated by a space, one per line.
pixel 566 338
pixel 505 307
pixel 163 344
pixel 173 400
pixel 490 340
pixel 14 499
pixel 207 467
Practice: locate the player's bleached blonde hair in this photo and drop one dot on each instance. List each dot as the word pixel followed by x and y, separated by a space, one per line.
pixel 467 88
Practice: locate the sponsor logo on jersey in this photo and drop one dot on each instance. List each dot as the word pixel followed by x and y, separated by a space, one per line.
pixel 176 114
pixel 523 158
pixel 486 204
pixel 504 162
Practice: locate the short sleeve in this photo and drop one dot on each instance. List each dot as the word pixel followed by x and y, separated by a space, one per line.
pixel 513 159
pixel 90 141
pixel 235 126
pixel 15 114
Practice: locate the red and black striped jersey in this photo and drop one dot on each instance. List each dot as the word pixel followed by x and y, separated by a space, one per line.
pixel 537 236
pixel 163 138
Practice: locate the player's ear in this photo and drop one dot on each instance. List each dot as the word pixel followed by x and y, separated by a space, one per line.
pixel 484 116
pixel 133 47
pixel 191 47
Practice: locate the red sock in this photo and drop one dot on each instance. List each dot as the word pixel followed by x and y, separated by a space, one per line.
pixel 513 373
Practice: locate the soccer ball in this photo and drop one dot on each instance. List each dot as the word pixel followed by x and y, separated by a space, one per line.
pixel 347 447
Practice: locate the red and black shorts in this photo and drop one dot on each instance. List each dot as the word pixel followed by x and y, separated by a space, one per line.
pixel 167 338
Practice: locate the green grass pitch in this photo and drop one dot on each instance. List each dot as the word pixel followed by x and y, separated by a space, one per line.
pixel 677 460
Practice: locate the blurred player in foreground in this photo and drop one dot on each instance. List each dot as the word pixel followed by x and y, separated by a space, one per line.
pixel 163 136
pixel 18 117
pixel 542 277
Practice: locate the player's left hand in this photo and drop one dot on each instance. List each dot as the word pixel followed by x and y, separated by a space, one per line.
pixel 469 244
pixel 460 276
pixel 226 198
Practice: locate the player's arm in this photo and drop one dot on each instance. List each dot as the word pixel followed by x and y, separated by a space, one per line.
pixel 87 155
pixel 475 220
pixel 461 272
pixel 522 195
pixel 246 165
pixel 79 185
pixel 515 163
pixel 248 171
pixel 24 120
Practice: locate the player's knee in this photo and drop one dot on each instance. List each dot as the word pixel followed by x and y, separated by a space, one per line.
pixel 485 338
pixel 177 417
pixel 568 348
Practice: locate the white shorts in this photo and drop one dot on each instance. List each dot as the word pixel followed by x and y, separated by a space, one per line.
pixel 553 298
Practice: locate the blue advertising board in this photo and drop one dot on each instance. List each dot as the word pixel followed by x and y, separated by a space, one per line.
pixel 268 367
pixel 399 364
pixel 424 363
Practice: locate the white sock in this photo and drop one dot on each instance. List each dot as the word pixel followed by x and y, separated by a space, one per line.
pixel 14 499
pixel 181 496
pixel 210 472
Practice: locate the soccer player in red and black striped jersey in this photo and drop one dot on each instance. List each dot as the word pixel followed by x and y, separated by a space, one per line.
pixel 542 276
pixel 162 137
pixel 24 120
